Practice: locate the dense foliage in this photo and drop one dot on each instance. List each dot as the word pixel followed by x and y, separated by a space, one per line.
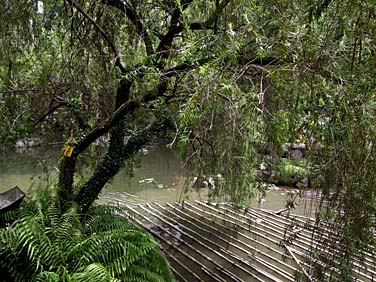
pixel 233 79
pixel 44 244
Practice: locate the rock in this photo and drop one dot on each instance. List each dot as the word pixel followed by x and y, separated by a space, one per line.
pixel 101 141
pixel 26 142
pixel 304 183
pixel 297 155
pixel 203 182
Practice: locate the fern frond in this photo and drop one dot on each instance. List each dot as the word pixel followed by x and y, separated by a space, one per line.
pixel 46 276
pixel 50 246
pixel 93 273
pixel 143 273
pixel 8 217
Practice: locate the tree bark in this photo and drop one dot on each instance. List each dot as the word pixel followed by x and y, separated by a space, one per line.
pixel 67 166
pixel 114 161
pixel 67 163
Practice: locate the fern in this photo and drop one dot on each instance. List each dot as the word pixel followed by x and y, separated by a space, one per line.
pixel 47 245
pixel 94 272
pixel 46 277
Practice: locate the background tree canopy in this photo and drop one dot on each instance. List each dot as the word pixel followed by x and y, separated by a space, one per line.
pixel 225 78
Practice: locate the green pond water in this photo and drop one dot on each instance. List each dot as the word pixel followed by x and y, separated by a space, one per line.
pixel 158 176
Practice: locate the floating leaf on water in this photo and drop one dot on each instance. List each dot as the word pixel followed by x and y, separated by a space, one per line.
pixel 149 180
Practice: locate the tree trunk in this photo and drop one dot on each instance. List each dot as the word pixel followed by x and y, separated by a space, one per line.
pixel 118 152
pixel 114 161
pixel 67 164
pixel 67 168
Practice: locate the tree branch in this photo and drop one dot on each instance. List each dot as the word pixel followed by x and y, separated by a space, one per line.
pixel 131 105
pixel 111 165
pixel 102 32
pixel 186 67
pixel 166 41
pixel 50 111
pixel 133 17
pixel 218 10
pixel 176 27
pixel 109 123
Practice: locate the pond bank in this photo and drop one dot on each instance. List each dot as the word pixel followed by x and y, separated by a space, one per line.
pixel 158 176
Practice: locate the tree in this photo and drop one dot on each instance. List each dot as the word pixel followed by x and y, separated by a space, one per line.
pixel 147 68
pixel 153 44
pixel 230 76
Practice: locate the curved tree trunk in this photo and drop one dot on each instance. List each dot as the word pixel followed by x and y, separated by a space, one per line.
pixel 68 163
pixel 113 161
pixel 118 152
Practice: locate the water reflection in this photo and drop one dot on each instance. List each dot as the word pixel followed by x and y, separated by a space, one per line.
pixel 158 176
pixel 27 168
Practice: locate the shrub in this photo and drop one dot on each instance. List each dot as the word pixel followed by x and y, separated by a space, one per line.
pixel 47 245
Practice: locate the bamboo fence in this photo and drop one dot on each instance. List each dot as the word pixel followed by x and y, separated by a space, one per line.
pixel 217 242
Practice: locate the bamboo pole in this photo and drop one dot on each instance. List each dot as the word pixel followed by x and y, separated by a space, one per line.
pixel 239 233
pixel 184 267
pixel 332 268
pixel 311 244
pixel 233 277
pixel 302 235
pixel 278 228
pixel 304 255
pixel 269 218
pixel 213 231
pixel 177 274
pixel 369 260
pixel 323 228
pixel 202 267
pixel 251 239
pixel 236 224
pixel 248 238
pixel 306 241
pixel 203 245
pixel 355 263
pixel 298 263
pixel 263 272
pixel 295 218
pixel 255 227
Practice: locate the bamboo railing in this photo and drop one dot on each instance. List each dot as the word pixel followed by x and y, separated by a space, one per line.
pixel 219 243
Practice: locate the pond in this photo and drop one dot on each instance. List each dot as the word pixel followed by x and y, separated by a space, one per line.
pixel 159 176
